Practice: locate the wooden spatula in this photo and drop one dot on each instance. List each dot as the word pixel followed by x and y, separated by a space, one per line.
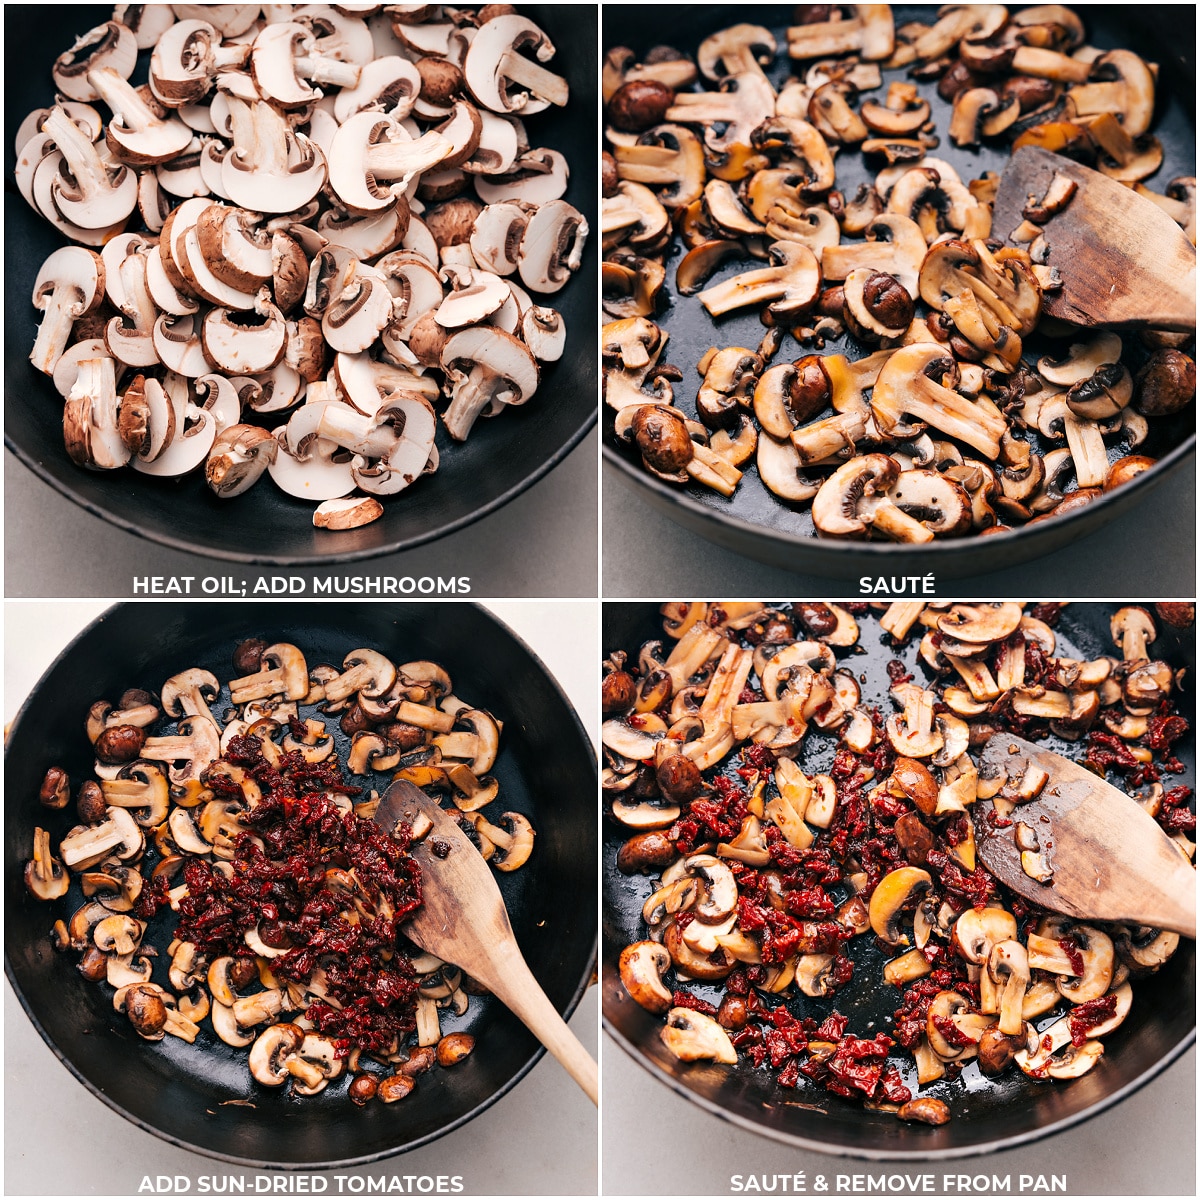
pixel 1109 858
pixel 463 921
pixel 1122 260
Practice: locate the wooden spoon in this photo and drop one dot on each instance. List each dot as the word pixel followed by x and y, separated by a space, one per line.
pixel 1110 859
pixel 1122 260
pixel 463 921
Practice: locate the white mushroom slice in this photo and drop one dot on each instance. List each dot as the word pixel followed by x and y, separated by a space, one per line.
pixel 66 370
pixel 244 344
pixel 477 295
pixel 503 79
pixel 109 45
pixel 95 194
pixel 194 437
pixel 349 513
pixel 284 56
pixel 177 345
pixel 163 292
pixel 70 283
pixel 373 158
pixel 485 365
pixel 135 133
pixel 369 236
pixel 552 246
pixel 185 61
pixel 236 248
pixel 91 429
pixel 388 84
pixel 315 476
pixel 544 332
pixel 414 283
pixel 270 168
pixel 353 320
pixel 537 177
pixel 498 146
pixel 496 237
pixel 238 457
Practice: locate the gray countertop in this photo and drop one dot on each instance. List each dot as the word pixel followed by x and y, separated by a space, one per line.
pixel 1096 1157
pixel 543 543
pixel 1150 550
pixel 539 1139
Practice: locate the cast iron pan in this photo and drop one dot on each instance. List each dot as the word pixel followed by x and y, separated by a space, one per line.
pixel 757 523
pixel 986 1115
pixel 546 769
pixel 500 459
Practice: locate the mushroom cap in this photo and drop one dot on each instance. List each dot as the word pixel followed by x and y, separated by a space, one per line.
pixel 485 68
pixel 269 1051
pixel 835 509
pixel 552 246
pixel 894 892
pixel 692 1036
pixel 642 966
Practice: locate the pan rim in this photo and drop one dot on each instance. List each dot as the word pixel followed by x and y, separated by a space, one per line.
pixel 838 1150
pixel 1129 496
pixel 632 1043
pixel 577 727
pixel 182 545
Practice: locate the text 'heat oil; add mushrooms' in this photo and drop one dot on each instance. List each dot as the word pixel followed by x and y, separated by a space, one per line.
pixel 230 869
pixel 943 417
pixel 304 208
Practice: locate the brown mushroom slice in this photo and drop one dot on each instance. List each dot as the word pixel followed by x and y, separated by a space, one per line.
pixel 791 283
pixel 895 245
pixel 691 1036
pixel 908 385
pixel 854 499
pixel 745 103
pixel 870 33
pixel 892 895
pixel 551 248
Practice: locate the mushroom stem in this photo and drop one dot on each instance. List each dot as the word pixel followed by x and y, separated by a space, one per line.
pixel 400 160
pixel 518 69
pixel 128 107
pixel 87 167
pixel 64 306
pixel 319 69
pixel 354 431
pixel 260 136
pixel 471 398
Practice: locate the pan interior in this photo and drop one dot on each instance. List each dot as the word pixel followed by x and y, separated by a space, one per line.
pixel 985 1113
pixel 181 1092
pixel 500 459
pixel 1154 33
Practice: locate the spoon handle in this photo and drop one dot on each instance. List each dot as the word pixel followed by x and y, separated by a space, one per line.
pixel 515 985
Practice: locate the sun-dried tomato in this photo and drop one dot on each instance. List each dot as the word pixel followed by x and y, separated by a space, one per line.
pixel 951 1032
pixel 1087 1016
pixel 897 672
pixel 811 902
pixel 1071 949
pixel 1177 820
pixel 762 757
pixel 1048 613
pixel 892 1088
pixel 682 999
pixel 832 1028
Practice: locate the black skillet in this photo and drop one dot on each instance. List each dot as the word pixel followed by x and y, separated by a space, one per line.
pixel 546 768
pixel 757 523
pixel 501 458
pixel 986 1115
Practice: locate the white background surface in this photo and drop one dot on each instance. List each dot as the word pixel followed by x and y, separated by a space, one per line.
pixel 543 543
pixel 59 1139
